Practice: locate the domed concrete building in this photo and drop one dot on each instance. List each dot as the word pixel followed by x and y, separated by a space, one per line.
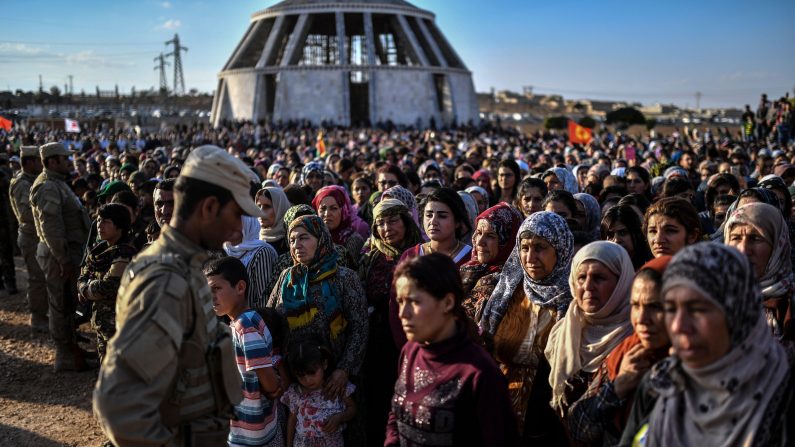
pixel 350 62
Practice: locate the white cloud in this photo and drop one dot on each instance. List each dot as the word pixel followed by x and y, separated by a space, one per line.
pixel 170 24
pixel 166 5
pixel 19 48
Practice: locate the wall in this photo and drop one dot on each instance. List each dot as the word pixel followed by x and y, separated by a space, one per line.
pixel 465 104
pixel 403 96
pixel 241 90
pixel 315 95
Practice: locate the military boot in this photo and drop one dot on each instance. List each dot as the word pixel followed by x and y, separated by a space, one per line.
pixel 39 323
pixel 72 358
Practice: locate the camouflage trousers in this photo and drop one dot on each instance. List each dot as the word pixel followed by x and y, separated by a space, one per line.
pixel 62 297
pixel 103 320
pixel 37 286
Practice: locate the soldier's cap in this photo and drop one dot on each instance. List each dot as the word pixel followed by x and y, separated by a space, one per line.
pixel 29 151
pixel 214 165
pixel 50 149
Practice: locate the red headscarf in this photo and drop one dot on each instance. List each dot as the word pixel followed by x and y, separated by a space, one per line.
pixel 350 221
pixel 506 221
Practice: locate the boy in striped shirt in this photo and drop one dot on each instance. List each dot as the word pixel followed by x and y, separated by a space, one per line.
pixel 256 421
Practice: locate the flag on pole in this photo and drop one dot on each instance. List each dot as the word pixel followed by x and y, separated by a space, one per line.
pixel 71 125
pixel 579 134
pixel 5 124
pixel 320 145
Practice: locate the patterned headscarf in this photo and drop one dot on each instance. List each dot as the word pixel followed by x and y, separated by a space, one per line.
pixel 472 211
pixel 552 291
pixel 389 208
pixel 296 211
pixel 350 221
pixel 280 204
pixel 310 167
pixel 778 279
pixel 675 171
pixel 298 308
pixel 593 214
pixel 728 402
pixel 404 195
pixel 565 178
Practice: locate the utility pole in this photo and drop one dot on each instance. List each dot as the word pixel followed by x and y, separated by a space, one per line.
pixel 698 102
pixel 71 88
pixel 41 85
pixel 179 79
pixel 161 60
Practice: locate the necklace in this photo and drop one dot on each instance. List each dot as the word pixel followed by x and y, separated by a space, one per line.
pixel 454 251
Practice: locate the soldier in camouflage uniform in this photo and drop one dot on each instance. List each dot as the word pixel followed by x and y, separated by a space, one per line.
pixel 27 239
pixel 169 376
pixel 7 229
pixel 102 271
pixel 62 225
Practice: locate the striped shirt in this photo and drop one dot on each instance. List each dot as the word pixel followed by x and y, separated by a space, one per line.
pixel 256 423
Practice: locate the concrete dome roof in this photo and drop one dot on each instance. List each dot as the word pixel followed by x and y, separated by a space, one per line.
pixel 290 3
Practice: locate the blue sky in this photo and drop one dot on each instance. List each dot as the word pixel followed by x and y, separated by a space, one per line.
pixel 642 50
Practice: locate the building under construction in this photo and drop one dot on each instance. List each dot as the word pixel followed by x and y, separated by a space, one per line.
pixel 350 62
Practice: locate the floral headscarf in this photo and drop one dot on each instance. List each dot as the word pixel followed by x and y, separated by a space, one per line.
pixel 733 400
pixel 388 208
pixel 565 178
pixel 350 222
pixel 552 291
pixel 299 310
pixel 309 168
pixel 505 220
pixel 404 195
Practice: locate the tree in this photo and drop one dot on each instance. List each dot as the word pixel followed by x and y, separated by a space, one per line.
pixel 556 122
pixel 587 121
pixel 625 117
pixel 55 91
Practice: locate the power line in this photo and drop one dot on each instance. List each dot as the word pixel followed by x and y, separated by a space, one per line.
pixel 162 67
pixel 179 79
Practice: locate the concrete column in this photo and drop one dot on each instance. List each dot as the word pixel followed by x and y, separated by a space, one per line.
pixel 429 38
pixel 404 25
pixel 270 44
pixel 294 46
pixel 343 50
pixel 252 31
pixel 368 33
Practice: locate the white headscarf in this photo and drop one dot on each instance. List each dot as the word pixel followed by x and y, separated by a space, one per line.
pixel 280 206
pixel 581 341
pixel 248 246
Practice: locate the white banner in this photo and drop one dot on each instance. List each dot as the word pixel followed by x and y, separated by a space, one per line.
pixel 71 125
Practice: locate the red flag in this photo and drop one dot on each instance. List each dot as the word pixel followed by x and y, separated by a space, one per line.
pixel 579 134
pixel 320 145
pixel 5 124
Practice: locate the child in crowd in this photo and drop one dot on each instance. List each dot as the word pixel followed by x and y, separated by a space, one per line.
pixel 314 420
pixel 101 272
pixel 257 422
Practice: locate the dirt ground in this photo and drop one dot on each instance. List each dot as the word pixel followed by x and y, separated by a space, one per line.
pixel 37 407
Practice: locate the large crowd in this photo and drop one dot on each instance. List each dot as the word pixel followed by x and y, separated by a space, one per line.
pixel 262 285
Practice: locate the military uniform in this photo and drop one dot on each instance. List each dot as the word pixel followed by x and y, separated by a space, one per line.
pixel 99 282
pixel 7 220
pixel 62 225
pixel 28 241
pixel 170 375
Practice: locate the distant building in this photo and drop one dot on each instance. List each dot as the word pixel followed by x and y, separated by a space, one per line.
pixel 349 62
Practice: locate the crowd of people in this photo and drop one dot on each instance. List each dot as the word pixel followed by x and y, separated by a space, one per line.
pixel 256 285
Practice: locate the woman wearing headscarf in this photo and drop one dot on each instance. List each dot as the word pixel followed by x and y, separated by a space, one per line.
pixel 760 232
pixel 321 299
pixel 493 241
pixel 598 418
pixel 563 179
pixel 481 197
pixel 257 256
pixel 404 195
pixel 750 195
pixel 592 214
pixel 596 322
pixel 728 383
pixel 312 176
pixel 532 293
pixel 394 230
pixel 273 202
pixel 347 229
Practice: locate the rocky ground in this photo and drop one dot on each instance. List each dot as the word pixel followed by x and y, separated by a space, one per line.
pixel 38 407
